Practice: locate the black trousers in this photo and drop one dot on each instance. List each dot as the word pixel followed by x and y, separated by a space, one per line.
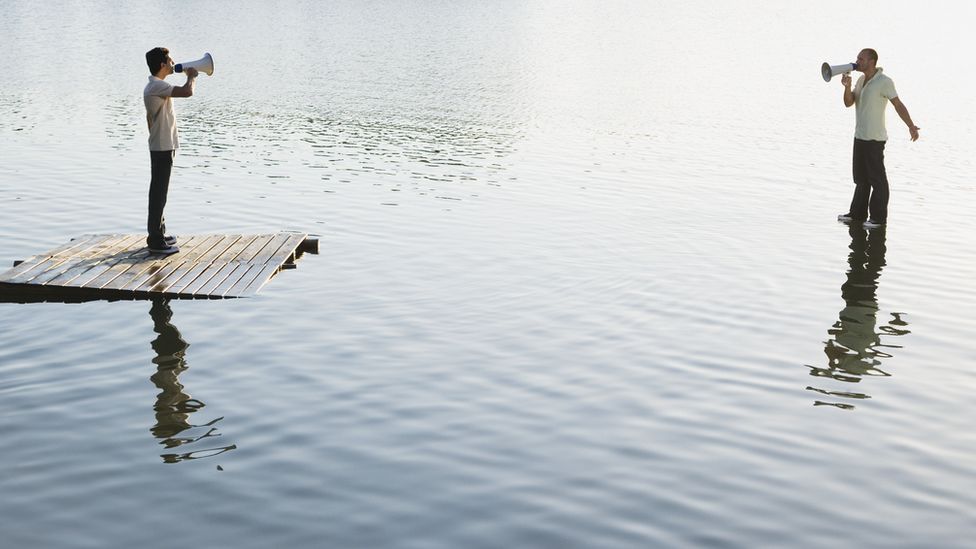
pixel 162 166
pixel 870 181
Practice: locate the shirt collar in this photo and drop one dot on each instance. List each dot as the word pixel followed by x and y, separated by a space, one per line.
pixel 878 72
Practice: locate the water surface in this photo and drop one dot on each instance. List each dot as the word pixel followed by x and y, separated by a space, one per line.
pixel 580 282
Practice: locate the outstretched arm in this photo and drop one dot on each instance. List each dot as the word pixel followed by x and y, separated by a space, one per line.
pixel 902 111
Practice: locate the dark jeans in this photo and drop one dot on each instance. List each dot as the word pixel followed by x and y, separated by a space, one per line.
pixel 162 165
pixel 870 180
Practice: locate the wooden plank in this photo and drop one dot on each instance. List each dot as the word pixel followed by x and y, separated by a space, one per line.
pixel 120 264
pixel 202 255
pixel 38 264
pixel 34 261
pixel 86 258
pixel 80 264
pixel 56 266
pixel 223 275
pixel 168 275
pixel 133 245
pixel 220 269
pixel 215 246
pixel 268 252
pixel 133 278
pixel 242 263
pixel 244 278
pixel 130 267
pixel 286 251
pixel 203 263
pixel 116 266
pixel 261 262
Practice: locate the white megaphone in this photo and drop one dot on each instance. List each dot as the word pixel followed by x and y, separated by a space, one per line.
pixel 829 71
pixel 204 64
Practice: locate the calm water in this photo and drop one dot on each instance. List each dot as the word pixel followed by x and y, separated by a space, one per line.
pixel 580 282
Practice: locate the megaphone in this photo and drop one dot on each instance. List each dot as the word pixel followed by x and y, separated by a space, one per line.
pixel 204 64
pixel 829 71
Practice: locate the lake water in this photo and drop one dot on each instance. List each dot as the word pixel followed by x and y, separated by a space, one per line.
pixel 580 281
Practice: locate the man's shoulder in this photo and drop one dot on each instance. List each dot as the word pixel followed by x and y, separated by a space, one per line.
pixel 882 76
pixel 156 86
pixel 888 86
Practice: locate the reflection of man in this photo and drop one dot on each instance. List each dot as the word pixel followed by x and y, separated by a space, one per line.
pixel 870 97
pixel 173 406
pixel 855 349
pixel 854 332
pixel 163 142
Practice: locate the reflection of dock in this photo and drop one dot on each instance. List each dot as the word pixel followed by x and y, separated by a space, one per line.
pixel 120 267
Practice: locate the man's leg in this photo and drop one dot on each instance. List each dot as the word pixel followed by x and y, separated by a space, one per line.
pixel 862 184
pixel 162 166
pixel 878 178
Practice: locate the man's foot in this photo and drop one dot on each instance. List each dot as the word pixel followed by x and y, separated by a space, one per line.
pixel 872 224
pixel 171 240
pixel 848 218
pixel 165 249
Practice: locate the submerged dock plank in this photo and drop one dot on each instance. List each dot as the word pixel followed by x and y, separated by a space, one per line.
pixel 119 266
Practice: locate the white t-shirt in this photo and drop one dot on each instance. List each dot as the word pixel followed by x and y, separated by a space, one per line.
pixel 159 113
pixel 870 102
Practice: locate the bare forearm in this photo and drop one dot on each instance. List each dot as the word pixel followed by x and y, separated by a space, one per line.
pixel 186 90
pixel 848 97
pixel 905 117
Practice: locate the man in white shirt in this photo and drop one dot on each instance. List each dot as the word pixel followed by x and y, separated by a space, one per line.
pixel 870 98
pixel 163 142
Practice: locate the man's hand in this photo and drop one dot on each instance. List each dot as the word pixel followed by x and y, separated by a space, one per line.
pixel 186 90
pixel 848 93
pixel 902 111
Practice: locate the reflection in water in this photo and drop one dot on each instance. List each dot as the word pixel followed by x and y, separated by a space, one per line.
pixel 173 406
pixel 855 349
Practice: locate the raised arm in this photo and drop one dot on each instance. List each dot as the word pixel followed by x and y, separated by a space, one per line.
pixel 186 90
pixel 902 111
pixel 848 94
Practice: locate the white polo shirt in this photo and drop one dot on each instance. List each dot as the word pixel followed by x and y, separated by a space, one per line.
pixel 870 102
pixel 159 113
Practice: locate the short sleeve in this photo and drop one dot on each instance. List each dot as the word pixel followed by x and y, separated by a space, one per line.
pixel 889 89
pixel 159 88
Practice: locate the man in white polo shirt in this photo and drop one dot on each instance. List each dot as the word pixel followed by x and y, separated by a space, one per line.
pixel 870 97
pixel 163 142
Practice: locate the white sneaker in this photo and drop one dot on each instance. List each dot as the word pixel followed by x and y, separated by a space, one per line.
pixel 872 224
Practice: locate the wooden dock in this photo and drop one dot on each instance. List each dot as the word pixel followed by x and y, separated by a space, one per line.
pixel 119 266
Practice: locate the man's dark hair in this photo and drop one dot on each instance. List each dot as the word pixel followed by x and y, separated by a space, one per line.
pixel 155 57
pixel 872 54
